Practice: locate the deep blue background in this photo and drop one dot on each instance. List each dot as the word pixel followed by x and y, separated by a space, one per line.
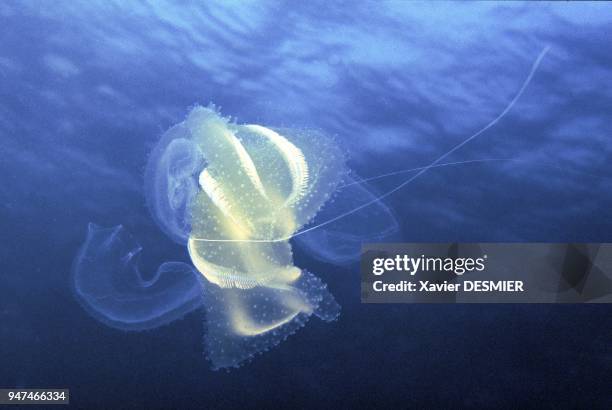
pixel 87 89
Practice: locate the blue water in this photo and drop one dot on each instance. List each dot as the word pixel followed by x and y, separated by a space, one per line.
pixel 87 88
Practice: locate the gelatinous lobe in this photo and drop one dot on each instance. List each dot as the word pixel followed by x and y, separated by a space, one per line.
pixel 109 284
pixel 257 189
pixel 340 242
pixel 234 195
pixel 171 182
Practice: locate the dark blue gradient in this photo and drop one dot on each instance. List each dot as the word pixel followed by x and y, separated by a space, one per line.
pixel 87 88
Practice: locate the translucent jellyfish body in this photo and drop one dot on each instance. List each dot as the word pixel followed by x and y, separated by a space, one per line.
pixel 234 195
pixel 256 188
pixel 109 284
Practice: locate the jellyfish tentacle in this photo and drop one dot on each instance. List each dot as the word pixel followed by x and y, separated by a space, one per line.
pixel 520 92
pixel 408 170
pixel 235 200
pixel 420 171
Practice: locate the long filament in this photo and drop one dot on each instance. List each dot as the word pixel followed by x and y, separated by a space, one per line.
pixel 421 171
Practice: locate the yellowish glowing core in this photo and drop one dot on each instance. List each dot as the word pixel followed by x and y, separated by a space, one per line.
pixel 254 194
